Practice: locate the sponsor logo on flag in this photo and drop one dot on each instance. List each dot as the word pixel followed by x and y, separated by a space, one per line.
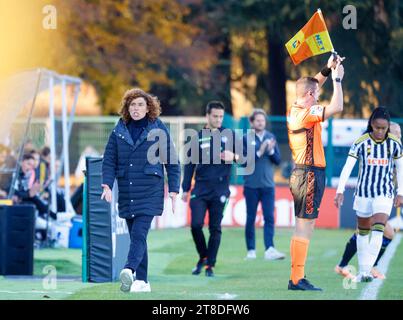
pixel 319 42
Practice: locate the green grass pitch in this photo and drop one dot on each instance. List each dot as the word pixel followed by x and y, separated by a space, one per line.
pixel 172 255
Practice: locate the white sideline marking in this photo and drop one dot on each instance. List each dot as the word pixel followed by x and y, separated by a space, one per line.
pixel 370 292
pixel 219 296
pixel 226 296
pixel 35 291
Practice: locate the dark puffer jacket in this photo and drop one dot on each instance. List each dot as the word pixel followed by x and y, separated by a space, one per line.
pixel 141 179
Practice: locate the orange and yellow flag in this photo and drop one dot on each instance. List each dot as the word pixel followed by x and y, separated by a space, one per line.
pixel 311 40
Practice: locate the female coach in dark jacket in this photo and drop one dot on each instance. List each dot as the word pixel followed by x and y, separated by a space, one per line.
pixel 137 150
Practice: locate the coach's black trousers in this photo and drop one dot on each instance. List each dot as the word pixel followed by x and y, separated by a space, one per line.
pixel 137 259
pixel 204 198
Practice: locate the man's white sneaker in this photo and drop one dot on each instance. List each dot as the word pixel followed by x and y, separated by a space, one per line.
pixel 273 254
pixel 363 277
pixel 251 254
pixel 140 286
pixel 126 279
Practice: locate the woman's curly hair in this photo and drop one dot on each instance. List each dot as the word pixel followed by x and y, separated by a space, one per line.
pixel 153 104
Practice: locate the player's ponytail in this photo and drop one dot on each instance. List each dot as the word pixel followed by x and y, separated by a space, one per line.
pixel 378 113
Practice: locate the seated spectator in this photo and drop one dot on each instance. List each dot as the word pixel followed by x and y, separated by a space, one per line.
pixel 41 175
pixel 7 165
pixel 33 174
pixel 24 191
pixel 42 171
pixel 28 145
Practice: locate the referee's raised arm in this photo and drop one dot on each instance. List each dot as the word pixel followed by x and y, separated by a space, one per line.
pixel 336 104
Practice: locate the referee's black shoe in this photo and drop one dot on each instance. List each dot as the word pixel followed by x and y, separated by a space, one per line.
pixel 303 284
pixel 199 266
pixel 209 271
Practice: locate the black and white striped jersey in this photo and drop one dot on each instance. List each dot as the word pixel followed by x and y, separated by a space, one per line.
pixel 376 161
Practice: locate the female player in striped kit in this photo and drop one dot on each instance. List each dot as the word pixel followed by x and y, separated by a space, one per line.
pixel 351 245
pixel 378 153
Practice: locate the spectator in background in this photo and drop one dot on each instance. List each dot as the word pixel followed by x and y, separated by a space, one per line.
pixel 37 157
pixel 7 164
pixel 28 145
pixel 45 155
pixel 21 188
pixel 33 174
pixel 42 170
pixel 42 176
pixel 25 192
pixel 259 186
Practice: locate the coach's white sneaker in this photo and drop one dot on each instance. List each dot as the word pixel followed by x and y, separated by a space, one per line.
pixel 126 279
pixel 250 255
pixel 140 286
pixel 273 254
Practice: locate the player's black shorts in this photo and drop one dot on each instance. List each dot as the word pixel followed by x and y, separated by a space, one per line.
pixel 307 185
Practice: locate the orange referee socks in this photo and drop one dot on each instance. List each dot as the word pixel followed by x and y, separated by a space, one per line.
pixel 299 251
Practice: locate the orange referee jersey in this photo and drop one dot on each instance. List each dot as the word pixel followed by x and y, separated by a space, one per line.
pixel 305 135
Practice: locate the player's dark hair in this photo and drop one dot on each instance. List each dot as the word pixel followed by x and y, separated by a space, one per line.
pixel 214 105
pixel 378 113
pixel 27 156
pixel 255 112
pixel 45 151
pixel 32 151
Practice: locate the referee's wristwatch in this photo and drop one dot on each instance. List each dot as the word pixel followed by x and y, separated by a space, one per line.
pixel 337 79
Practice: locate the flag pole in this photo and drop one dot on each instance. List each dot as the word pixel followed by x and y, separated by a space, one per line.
pixel 334 52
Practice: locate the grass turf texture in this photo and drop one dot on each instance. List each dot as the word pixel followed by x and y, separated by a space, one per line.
pixel 172 255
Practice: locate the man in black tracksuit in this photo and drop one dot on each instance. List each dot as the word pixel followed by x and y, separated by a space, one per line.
pixel 215 148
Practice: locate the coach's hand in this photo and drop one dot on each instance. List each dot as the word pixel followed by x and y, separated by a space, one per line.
pixel 398 201
pixel 338 200
pixel 185 196
pixel 107 193
pixel 264 146
pixel 271 144
pixel 173 195
pixel 228 156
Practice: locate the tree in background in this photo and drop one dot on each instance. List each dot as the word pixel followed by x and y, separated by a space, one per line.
pixel 373 51
pixel 118 44
pixel 183 50
pixel 191 94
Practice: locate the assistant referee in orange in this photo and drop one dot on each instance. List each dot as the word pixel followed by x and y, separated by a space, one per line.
pixel 307 181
